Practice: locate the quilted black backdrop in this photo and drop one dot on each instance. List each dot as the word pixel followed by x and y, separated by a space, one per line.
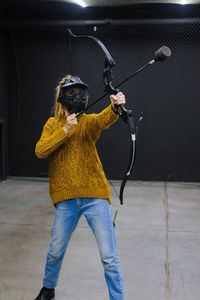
pixel 167 94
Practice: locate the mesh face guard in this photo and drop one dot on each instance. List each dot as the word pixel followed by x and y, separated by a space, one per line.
pixel 74 101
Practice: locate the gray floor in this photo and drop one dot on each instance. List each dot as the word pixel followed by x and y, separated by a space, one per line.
pixel 158 233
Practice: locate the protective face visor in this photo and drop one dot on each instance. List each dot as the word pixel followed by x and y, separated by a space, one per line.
pixel 74 95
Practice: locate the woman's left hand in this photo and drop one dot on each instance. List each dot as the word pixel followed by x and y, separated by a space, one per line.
pixel 118 99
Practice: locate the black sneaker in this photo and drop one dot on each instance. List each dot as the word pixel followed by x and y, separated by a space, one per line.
pixel 46 294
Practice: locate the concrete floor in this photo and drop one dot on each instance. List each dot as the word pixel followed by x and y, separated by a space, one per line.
pixel 158 233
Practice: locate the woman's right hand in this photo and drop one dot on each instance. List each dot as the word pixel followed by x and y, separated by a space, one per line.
pixel 71 120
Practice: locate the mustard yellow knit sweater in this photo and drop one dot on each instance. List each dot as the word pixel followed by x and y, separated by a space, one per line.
pixel 75 170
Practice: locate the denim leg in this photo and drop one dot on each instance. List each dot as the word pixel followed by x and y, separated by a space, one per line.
pixel 66 218
pixel 98 213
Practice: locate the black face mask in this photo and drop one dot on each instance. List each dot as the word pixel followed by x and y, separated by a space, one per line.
pixel 74 102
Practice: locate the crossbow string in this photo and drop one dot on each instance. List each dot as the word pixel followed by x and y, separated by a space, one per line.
pixel 126 114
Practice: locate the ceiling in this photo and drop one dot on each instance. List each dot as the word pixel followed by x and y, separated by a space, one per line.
pixel 55 10
pixel 127 2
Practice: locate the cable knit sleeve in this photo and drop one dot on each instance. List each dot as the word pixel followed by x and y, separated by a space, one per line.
pixel 102 121
pixel 50 139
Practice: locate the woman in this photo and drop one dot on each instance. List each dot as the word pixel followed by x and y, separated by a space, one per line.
pixel 77 183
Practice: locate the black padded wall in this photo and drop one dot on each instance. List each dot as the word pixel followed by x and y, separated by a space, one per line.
pixel 3 105
pixel 167 94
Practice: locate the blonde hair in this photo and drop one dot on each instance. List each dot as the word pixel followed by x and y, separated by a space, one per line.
pixel 58 108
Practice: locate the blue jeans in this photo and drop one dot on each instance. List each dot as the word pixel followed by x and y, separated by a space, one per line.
pixel 98 213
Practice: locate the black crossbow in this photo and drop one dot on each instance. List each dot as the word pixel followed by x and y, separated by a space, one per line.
pixel 126 114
